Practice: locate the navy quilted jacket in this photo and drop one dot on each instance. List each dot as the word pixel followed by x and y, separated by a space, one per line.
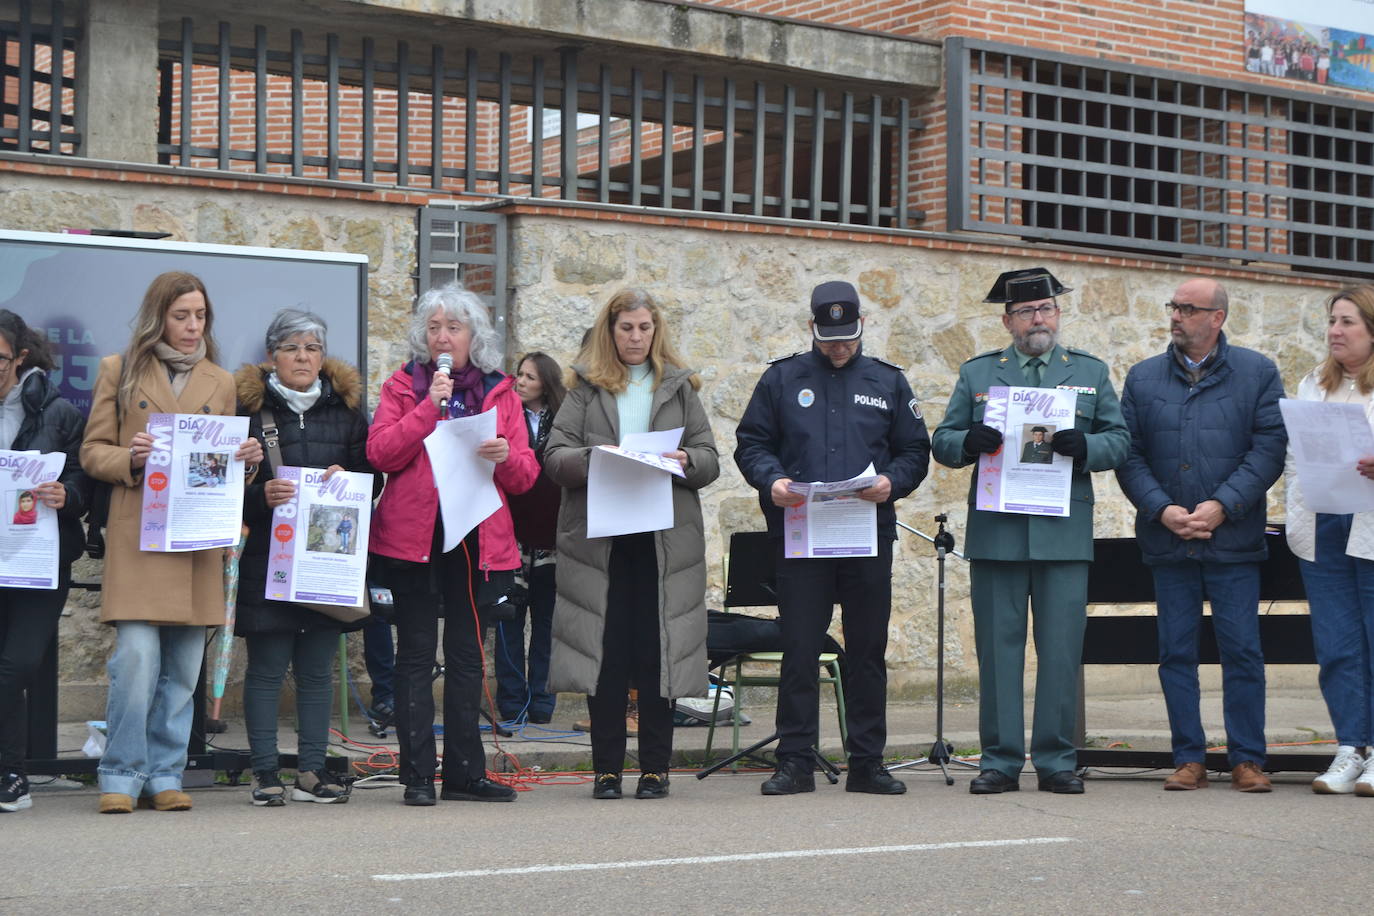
pixel 1221 439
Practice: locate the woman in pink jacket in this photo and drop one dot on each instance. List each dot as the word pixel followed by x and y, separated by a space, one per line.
pixel 407 537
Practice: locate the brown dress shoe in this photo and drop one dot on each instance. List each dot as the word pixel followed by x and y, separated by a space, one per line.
pixel 115 803
pixel 1188 776
pixel 1248 777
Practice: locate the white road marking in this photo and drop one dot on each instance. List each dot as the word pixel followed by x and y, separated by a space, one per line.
pixel 712 860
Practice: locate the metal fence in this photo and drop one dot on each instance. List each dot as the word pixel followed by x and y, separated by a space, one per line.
pixel 672 139
pixel 37 95
pixel 1054 147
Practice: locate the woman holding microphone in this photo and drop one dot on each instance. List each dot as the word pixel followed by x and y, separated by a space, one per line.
pixel 33 417
pixel 159 603
pixel 452 373
pixel 1336 555
pixel 631 609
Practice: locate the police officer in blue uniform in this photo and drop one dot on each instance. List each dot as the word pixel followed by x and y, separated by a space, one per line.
pixel 825 414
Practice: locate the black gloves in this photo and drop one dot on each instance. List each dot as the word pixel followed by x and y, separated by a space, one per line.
pixel 1070 442
pixel 982 439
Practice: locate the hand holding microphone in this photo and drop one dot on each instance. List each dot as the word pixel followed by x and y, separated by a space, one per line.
pixel 441 388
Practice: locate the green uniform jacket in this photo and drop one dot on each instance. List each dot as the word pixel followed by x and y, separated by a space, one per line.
pixel 1013 537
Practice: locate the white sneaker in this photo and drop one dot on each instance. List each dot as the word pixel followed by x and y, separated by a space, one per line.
pixel 1340 778
pixel 1365 784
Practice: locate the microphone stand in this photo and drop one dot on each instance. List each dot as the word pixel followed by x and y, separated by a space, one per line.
pixel 941 752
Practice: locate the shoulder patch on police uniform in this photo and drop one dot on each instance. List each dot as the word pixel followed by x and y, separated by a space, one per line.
pixel 915 408
pixel 879 359
pixel 985 355
pixel 778 359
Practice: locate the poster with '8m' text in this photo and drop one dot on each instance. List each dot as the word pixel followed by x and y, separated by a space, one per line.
pixel 192 485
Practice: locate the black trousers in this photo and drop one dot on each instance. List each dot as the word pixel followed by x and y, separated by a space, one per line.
pixel 421 596
pixel 28 620
pixel 630 657
pixel 807 593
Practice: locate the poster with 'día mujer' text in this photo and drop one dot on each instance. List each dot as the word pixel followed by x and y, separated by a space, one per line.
pixel 29 541
pixel 192 484
pixel 318 551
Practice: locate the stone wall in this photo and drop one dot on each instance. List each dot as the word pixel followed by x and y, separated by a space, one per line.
pixel 735 299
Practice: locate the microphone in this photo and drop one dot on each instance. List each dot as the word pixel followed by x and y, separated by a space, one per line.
pixel 445 365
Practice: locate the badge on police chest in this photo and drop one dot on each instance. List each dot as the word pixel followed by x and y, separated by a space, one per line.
pixel 806 397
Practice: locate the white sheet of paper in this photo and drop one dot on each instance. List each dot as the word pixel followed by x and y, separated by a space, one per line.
pixel 467 494
pixel 626 495
pixel 29 540
pixel 833 521
pixel 1326 441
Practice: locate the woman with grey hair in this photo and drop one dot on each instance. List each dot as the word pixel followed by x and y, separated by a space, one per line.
pixel 450 325
pixel 315 403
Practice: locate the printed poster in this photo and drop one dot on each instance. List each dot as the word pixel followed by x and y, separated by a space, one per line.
pixel 29 540
pixel 192 486
pixel 1025 475
pixel 319 538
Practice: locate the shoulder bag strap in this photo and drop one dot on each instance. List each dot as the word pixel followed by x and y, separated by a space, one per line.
pixel 270 442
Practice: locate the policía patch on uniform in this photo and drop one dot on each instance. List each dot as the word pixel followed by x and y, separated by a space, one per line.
pixel 1081 389
pixel 806 397
pixel 915 408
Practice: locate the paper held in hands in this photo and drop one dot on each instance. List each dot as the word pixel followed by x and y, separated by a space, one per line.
pixel 467 494
pixel 29 539
pixel 1025 476
pixel 833 521
pixel 1327 441
pixel 192 483
pixel 630 487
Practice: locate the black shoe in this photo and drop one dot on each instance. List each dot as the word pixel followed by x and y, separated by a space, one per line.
pixel 423 794
pixel 268 792
pixel 792 777
pixel 319 786
pixel 539 718
pixel 14 792
pixel 382 713
pixel 1065 782
pixel 993 782
pixel 652 785
pixel 607 785
pixel 477 790
pixel 872 777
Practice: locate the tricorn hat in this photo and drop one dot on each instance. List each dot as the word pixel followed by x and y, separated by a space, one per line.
pixel 1028 285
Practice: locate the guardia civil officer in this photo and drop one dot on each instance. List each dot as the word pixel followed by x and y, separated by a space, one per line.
pixel 1015 557
pixel 825 414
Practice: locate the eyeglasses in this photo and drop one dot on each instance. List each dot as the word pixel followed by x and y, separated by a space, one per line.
pixel 1187 310
pixel 5 360
pixel 1030 311
pixel 293 349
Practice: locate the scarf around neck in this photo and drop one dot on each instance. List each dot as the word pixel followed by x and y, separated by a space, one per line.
pixel 178 364
pixel 299 401
pixel 467 387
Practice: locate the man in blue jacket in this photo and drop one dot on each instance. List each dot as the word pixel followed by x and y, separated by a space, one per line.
pixel 826 414
pixel 1207 442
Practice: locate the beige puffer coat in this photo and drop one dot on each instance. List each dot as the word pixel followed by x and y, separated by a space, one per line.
pixel 589 418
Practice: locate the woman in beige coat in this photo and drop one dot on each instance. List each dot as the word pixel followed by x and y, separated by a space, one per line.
pixel 630 609
pixel 159 603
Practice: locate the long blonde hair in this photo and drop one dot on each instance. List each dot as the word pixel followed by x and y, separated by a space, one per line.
pixel 150 321
pixel 1330 372
pixel 599 360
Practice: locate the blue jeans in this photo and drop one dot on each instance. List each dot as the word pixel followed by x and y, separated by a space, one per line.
pixel 1233 590
pixel 1340 596
pixel 153 673
pixel 379 655
pixel 517 692
pixel 311 655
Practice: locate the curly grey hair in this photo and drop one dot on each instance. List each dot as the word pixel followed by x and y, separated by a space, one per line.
pixel 455 302
pixel 287 323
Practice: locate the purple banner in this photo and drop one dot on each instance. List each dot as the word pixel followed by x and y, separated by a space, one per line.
pixel 157 481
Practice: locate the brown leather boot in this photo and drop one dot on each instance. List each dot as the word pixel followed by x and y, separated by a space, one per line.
pixel 1248 777
pixel 1188 776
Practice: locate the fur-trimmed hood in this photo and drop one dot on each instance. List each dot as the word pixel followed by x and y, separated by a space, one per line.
pixel 251 383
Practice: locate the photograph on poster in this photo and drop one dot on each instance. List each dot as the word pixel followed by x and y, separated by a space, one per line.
pixel 207 469
pixel 332 529
pixel 25 506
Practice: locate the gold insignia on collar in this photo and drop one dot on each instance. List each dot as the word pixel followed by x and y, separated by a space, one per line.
pixel 1002 360
pixel 1064 357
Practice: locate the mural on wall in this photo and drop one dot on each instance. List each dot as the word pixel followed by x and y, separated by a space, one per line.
pixel 1322 42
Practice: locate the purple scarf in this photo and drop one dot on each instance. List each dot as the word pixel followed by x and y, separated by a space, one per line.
pixel 467 387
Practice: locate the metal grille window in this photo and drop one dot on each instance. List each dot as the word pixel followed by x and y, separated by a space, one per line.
pixel 464 246
pixel 37 78
pixel 351 109
pixel 1059 148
